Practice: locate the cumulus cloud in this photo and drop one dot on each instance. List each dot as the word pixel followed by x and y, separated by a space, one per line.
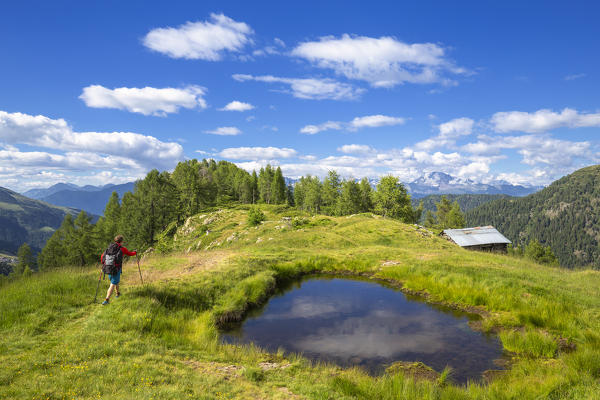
pixel 382 62
pixel 535 149
pixel 374 121
pixel 542 120
pixel 543 159
pixel 448 133
pixel 314 129
pixel 308 88
pixel 204 40
pixel 369 121
pixel 355 149
pixel 237 106
pixel 22 176
pixel 225 131
pixel 256 153
pixel 41 131
pixel 147 100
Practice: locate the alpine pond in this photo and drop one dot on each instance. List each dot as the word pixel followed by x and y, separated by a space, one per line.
pixel 356 322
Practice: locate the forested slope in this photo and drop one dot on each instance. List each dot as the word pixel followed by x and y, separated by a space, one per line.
pixel 565 215
pixel 465 201
pixel 24 220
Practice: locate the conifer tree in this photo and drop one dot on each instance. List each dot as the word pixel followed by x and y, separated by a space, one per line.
pixel 186 178
pixel 52 255
pixel 443 208
pixel 455 218
pixel 330 193
pixel 25 260
pixel 265 178
pixel 130 223
pixel 82 250
pixel 289 194
pixel 430 221
pixel 156 195
pixel 307 193
pixel 112 216
pixel 392 200
pixel 350 198
pixel 255 193
pixel 366 196
pixel 278 187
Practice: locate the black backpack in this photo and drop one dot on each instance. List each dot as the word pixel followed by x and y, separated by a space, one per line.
pixel 113 258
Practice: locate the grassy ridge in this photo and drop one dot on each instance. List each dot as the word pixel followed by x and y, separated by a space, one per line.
pixel 159 340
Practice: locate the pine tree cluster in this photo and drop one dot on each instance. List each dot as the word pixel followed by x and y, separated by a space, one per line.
pixel 163 198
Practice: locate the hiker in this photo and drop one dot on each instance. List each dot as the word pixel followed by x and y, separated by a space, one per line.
pixel 112 263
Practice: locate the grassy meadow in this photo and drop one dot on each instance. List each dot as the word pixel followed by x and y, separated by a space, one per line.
pixel 160 340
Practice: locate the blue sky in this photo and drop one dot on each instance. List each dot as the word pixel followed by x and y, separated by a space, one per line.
pixel 102 93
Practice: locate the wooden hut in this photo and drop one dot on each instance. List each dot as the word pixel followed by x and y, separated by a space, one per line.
pixel 485 238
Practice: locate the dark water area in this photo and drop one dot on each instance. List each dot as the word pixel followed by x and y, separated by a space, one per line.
pixel 364 323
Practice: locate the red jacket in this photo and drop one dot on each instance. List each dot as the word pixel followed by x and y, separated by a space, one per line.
pixel 123 249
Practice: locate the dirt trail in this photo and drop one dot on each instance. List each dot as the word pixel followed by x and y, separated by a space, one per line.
pixel 191 264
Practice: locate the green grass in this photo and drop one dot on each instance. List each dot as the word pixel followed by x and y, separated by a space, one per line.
pixel 160 341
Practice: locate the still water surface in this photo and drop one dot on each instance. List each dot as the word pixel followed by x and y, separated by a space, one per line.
pixel 359 322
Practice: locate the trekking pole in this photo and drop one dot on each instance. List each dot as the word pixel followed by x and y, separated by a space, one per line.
pixel 139 270
pixel 98 285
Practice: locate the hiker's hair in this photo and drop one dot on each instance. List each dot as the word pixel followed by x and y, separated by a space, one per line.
pixel 119 238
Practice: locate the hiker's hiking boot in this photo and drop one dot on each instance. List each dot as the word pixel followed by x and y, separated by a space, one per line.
pixel 105 302
pixel 118 294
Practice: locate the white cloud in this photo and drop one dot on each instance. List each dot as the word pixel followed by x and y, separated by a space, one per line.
pixel 314 129
pixel 237 106
pixel 534 149
pixel 147 100
pixel 225 131
pixel 41 131
pixel 309 88
pixel 26 177
pixel 207 40
pixel 542 120
pixel 369 121
pixel 383 62
pixel 448 133
pixel 456 127
pixel 409 164
pixel 572 77
pixel 256 153
pixel 355 149
pixel 373 121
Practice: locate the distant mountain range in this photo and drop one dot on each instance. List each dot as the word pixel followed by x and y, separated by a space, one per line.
pixel 24 220
pixel 91 199
pixel 565 215
pixel 442 183
pixel 439 183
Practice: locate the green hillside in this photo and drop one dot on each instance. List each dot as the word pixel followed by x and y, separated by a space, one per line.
pixel 24 220
pixel 565 216
pixel 160 339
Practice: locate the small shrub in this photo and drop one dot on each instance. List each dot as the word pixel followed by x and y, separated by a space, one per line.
pixel 255 216
pixel 254 374
pixel 299 222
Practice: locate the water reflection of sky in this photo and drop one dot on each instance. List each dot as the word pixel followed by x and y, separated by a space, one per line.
pixel 362 323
